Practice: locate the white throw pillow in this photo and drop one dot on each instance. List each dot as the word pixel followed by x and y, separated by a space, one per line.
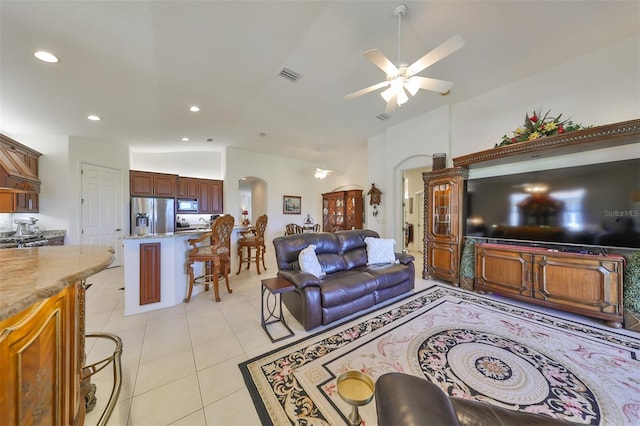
pixel 380 250
pixel 309 262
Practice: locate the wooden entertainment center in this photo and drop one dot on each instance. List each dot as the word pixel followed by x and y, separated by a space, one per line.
pixel 584 282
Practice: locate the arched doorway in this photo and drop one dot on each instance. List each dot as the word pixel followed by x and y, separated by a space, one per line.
pixel 252 195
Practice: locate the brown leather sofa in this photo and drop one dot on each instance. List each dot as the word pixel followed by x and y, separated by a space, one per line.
pixel 405 400
pixel 350 284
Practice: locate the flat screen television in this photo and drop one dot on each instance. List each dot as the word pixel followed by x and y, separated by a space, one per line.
pixel 590 205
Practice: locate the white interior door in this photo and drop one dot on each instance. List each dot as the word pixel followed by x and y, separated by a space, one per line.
pixel 102 208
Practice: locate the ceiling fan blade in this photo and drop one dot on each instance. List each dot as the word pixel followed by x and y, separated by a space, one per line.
pixel 445 49
pixel 392 103
pixel 381 61
pixel 435 85
pixel 367 90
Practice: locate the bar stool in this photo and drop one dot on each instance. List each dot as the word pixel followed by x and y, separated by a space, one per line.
pixel 253 239
pixel 215 256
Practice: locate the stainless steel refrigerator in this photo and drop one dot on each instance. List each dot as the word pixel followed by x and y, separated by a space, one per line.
pixel 152 215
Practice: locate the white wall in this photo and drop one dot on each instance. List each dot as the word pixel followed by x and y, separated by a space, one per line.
pixel 201 164
pixel 601 87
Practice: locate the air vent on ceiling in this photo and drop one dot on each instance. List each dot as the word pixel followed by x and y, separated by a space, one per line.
pixel 289 75
pixel 383 116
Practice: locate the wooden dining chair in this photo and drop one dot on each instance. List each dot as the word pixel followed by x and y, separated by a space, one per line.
pixel 215 255
pixel 293 228
pixel 250 240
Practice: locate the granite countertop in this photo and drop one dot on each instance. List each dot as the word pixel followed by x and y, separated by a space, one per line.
pixel 181 233
pixel 166 234
pixel 30 275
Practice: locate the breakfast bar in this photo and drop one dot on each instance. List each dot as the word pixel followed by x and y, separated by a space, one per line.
pixel 154 269
pixel 42 331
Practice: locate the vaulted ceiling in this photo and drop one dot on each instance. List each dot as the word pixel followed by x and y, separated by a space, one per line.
pixel 140 65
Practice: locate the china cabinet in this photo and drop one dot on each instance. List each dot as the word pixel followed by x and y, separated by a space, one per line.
pixel 342 210
pixel 444 213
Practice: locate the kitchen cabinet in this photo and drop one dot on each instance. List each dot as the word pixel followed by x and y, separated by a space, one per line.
pixel 150 274
pixel 42 324
pixel 210 196
pixel 187 187
pixel 21 164
pixel 444 190
pixel 585 284
pixel 342 210
pixel 149 184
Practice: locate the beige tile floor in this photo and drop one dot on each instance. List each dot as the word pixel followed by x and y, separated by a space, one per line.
pixel 180 364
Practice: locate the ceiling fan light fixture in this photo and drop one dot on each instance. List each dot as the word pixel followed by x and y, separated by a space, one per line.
pixel 402 97
pixel 321 173
pixel 412 85
pixel 386 94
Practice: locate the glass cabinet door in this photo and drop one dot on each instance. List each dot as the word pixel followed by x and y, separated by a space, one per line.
pixel 441 203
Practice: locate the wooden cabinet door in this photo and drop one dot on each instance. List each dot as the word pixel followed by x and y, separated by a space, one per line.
pixel 164 185
pixel 141 184
pixel 148 184
pixel 587 284
pixel 7 202
pixel 217 197
pixel 27 203
pixel 504 271
pixel 204 196
pixel 443 260
pixel 187 187
pixel 150 278
pixel 353 209
pixel 39 355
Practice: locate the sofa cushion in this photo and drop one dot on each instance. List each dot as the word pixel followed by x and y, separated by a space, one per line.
pixel 355 258
pixel 380 250
pixel 353 239
pixel 331 262
pixel 344 287
pixel 289 247
pixel 388 274
pixel 309 262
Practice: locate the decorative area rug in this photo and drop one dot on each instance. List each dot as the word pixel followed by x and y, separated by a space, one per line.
pixel 471 346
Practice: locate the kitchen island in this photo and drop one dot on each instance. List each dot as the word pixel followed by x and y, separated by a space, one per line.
pixel 42 331
pixel 154 269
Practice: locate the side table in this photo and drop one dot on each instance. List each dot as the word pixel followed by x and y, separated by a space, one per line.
pixel 273 304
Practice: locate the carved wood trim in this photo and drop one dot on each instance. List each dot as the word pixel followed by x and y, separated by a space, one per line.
pixel 606 136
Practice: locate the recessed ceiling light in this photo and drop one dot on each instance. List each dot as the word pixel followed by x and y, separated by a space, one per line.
pixel 194 109
pixel 94 117
pixel 46 56
pixel 185 139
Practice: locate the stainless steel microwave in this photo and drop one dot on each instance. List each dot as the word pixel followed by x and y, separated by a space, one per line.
pixel 187 205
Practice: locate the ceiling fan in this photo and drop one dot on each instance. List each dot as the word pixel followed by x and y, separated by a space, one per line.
pixel 402 78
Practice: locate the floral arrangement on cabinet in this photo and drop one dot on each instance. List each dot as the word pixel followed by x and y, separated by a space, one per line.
pixel 537 126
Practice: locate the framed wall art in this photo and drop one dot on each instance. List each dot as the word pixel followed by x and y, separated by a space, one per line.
pixel 291 204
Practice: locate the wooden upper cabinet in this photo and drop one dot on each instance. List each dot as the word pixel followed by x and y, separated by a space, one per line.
pixel 164 185
pixel 210 196
pixel 148 184
pixel 217 197
pixel 187 187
